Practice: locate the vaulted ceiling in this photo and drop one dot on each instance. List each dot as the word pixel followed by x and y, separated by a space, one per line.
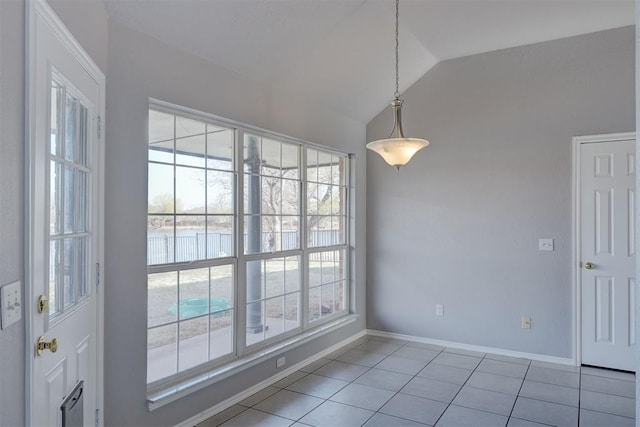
pixel 340 53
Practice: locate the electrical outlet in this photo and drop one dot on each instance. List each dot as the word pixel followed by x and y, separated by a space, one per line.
pixel 545 245
pixel 439 310
pixel 10 304
pixel 526 322
pixel 281 362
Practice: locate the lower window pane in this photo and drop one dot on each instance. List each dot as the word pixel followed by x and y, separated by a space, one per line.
pixel 292 274
pixel 255 322
pixel 273 288
pixel 221 335
pixel 328 300
pixel 327 272
pixel 194 293
pixel 341 288
pixel 162 298
pixel 193 346
pixel 274 316
pixel 292 311
pixel 162 352
pixel 314 304
pixel 222 287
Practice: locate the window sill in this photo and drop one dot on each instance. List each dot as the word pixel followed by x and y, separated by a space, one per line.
pixel 159 398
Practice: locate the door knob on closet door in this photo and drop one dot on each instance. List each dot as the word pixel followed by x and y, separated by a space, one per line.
pixel 589 265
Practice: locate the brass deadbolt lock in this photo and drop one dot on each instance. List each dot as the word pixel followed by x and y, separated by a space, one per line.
pixel 43 345
pixel 43 304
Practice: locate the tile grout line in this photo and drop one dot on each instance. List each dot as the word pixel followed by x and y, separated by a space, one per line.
pixel 461 387
pixel 579 392
pixel 398 392
pixel 518 393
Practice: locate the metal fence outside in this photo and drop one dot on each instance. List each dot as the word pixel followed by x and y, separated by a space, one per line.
pixel 164 249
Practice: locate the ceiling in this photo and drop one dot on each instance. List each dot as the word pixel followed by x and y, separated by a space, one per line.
pixel 340 53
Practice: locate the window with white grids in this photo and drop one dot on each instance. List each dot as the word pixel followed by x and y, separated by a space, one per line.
pixel 246 241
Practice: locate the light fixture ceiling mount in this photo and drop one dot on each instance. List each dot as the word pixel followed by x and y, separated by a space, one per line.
pixel 397 150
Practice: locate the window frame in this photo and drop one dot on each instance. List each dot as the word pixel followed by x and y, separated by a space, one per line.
pixel 239 259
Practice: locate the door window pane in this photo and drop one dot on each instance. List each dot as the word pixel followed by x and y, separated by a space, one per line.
pixel 69 196
pixel 55 198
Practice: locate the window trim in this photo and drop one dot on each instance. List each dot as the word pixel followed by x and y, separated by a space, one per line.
pixel 244 356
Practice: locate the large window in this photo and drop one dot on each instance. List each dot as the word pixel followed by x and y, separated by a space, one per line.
pixel 246 241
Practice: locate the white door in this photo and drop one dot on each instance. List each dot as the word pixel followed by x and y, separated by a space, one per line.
pixel 64 225
pixel 607 274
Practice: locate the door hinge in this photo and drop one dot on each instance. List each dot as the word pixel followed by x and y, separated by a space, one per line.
pixel 98 413
pixel 97 273
pixel 99 127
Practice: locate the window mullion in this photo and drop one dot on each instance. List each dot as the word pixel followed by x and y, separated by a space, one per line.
pixel 348 221
pixel 241 266
pixel 304 242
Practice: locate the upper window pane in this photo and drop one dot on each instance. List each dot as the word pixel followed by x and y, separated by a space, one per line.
pixel 188 127
pixel 220 148
pixel 161 127
pixel 191 189
pixel 271 195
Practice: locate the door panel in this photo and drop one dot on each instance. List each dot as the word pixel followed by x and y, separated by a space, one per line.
pixel 607 213
pixel 64 223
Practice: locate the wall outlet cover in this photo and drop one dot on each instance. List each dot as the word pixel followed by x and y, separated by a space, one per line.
pixel 545 244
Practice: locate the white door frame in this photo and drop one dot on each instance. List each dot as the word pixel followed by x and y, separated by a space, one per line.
pixel 41 8
pixel 577 237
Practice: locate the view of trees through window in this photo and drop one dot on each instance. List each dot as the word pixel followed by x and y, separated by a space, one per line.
pixel 221 283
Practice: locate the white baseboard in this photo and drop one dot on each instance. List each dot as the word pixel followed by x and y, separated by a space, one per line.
pixel 478 348
pixel 269 381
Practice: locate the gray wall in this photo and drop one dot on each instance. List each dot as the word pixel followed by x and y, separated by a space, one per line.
pixel 12 346
pixel 88 22
pixel 140 67
pixel 460 224
pixel 137 68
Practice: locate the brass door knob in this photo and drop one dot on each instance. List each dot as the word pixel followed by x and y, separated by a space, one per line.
pixel 43 345
pixel 589 265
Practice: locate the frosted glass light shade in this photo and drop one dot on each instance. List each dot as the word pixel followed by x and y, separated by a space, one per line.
pixel 397 151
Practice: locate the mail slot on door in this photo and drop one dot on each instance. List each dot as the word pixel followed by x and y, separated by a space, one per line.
pixel 72 412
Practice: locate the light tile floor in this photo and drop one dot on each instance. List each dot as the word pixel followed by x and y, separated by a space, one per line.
pixel 377 381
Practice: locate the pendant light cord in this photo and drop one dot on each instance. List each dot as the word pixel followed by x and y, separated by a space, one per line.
pixel 397 92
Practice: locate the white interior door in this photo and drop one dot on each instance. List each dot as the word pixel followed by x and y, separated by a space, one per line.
pixel 607 274
pixel 65 231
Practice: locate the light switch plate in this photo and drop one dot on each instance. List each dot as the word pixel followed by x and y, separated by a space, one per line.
pixel 545 244
pixel 10 304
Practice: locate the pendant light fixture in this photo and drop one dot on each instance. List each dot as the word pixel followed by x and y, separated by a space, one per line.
pixel 397 150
